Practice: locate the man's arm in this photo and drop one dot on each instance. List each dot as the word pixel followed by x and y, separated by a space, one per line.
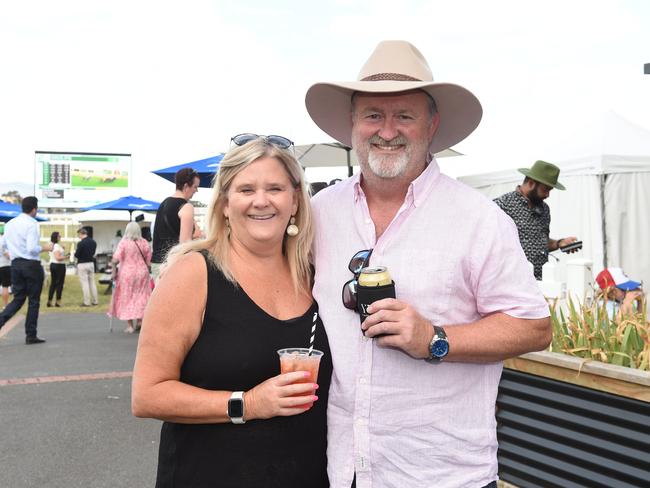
pixel 493 338
pixel 33 242
pixel 186 214
pixel 78 249
pixel 554 245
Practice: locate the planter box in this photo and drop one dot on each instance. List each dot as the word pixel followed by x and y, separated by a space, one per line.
pixel 627 382
pixel 565 422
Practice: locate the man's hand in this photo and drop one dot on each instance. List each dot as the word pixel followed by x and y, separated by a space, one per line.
pixel 406 329
pixel 627 307
pixel 565 241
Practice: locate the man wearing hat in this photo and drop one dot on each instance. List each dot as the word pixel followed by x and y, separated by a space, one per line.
pixel 532 216
pixel 412 398
pixel 624 296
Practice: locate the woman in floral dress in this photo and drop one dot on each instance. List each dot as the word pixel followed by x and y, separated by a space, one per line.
pixel 132 285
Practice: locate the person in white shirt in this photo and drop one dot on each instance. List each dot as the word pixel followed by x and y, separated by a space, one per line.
pixel 5 269
pixel 57 270
pixel 27 275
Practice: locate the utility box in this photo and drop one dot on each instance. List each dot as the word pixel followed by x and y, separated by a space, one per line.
pixel 580 280
pixel 552 286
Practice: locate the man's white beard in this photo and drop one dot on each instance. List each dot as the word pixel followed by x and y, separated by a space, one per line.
pixel 386 165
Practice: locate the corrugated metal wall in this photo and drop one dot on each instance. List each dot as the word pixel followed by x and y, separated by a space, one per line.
pixel 554 434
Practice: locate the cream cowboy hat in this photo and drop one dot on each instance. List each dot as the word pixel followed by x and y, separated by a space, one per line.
pixel 395 66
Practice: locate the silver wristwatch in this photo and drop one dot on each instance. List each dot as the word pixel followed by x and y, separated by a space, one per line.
pixel 439 345
pixel 236 407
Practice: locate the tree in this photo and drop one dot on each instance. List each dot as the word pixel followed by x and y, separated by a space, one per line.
pixel 12 196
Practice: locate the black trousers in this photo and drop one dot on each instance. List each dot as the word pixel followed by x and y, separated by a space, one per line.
pixel 26 282
pixel 57 278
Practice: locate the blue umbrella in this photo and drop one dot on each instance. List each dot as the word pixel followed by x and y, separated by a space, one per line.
pixel 129 203
pixel 9 210
pixel 206 168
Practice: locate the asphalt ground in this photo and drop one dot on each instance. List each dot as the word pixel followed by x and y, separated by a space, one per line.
pixel 65 417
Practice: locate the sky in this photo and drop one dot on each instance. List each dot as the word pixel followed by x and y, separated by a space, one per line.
pixel 171 81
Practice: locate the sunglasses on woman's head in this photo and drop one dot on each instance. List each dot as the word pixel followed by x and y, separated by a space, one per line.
pixel 278 141
pixel 357 263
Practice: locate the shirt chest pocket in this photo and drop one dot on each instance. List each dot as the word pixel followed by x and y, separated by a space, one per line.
pixel 425 282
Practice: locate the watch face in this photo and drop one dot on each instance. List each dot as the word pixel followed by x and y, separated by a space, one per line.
pixel 235 408
pixel 439 348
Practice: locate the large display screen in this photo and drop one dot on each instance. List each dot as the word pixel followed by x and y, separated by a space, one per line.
pixel 76 180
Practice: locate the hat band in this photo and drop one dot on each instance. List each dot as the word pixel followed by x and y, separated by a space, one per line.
pixel 389 77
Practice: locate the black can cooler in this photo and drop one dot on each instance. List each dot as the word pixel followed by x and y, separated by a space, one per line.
pixel 367 295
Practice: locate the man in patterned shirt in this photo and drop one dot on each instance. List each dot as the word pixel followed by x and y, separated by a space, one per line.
pixel 532 216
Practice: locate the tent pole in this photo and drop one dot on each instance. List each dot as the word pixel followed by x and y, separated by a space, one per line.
pixel 603 179
pixel 347 150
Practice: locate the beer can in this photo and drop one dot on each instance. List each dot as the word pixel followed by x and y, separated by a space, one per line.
pixel 374 276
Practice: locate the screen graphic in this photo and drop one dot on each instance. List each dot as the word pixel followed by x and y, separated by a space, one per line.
pixel 75 180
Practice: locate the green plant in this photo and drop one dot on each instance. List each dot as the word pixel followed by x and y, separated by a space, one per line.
pixel 588 331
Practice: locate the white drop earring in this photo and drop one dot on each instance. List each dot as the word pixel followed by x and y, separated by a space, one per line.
pixel 292 229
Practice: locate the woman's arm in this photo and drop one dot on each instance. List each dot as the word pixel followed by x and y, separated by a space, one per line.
pixel 171 325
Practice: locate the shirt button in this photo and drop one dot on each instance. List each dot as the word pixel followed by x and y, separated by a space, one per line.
pixel 362 381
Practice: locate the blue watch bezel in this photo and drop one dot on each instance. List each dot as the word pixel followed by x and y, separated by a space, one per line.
pixel 439 346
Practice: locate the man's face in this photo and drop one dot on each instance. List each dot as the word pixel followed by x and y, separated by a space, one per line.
pixel 539 192
pixel 190 190
pixel 391 134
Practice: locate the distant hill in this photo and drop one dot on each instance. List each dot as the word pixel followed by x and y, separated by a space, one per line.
pixel 25 189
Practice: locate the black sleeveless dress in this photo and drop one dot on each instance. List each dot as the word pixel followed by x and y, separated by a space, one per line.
pixel 236 350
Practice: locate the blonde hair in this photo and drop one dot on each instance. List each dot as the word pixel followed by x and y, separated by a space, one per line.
pixel 132 231
pixel 216 242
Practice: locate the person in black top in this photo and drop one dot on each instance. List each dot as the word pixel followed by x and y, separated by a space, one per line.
pixel 174 218
pixel 85 255
pixel 207 360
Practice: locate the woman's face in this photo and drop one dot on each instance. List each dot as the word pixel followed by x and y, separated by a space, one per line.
pixel 260 201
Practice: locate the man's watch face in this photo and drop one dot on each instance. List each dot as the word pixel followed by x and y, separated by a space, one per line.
pixel 235 408
pixel 439 348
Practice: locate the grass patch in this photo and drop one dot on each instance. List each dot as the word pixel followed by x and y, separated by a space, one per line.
pixel 72 297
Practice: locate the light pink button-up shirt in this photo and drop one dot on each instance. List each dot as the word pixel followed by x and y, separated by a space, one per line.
pixel 455 257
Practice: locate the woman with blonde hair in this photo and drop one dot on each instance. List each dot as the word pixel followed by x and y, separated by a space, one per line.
pixel 132 284
pixel 206 361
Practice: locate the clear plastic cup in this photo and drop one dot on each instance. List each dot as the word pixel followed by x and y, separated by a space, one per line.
pixel 299 359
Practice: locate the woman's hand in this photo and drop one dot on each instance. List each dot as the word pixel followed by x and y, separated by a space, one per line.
pixel 275 397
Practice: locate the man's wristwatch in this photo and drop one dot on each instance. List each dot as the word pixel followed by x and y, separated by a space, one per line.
pixel 439 345
pixel 236 407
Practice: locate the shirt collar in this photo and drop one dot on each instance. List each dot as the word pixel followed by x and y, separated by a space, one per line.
pixel 418 189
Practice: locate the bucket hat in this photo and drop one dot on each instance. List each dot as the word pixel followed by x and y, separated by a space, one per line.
pixel 545 173
pixel 394 67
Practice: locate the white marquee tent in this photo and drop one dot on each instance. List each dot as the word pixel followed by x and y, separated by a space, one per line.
pixel 105 223
pixel 606 170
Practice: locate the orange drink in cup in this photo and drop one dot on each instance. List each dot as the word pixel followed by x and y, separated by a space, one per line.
pixel 299 359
